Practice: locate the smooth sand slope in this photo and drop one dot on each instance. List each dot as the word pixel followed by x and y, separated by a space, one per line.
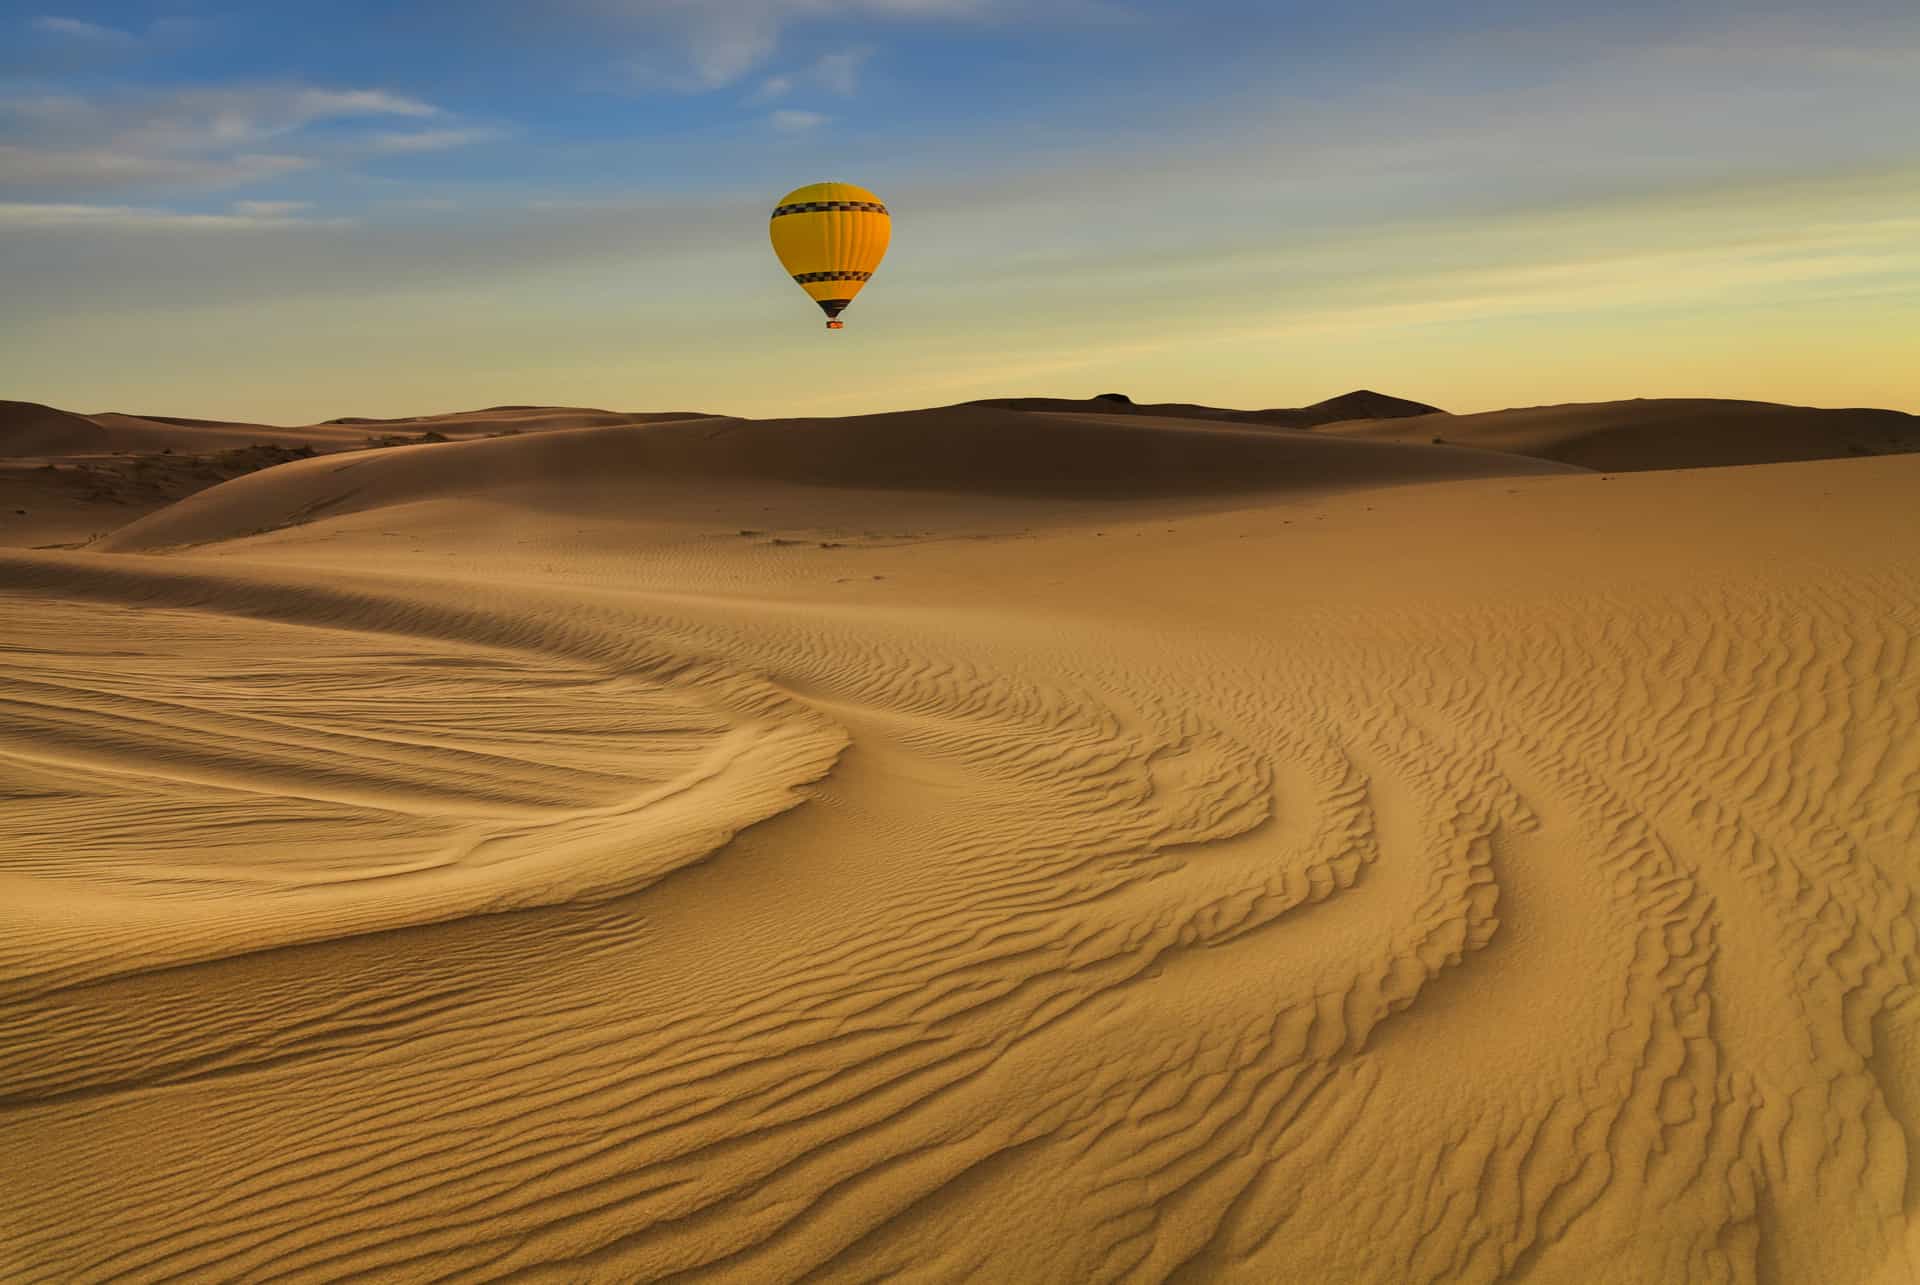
pixel 980 459
pixel 134 432
pixel 976 844
pixel 66 480
pixel 1660 433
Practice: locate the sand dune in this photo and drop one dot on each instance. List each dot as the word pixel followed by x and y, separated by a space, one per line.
pixel 68 501
pixel 153 432
pixel 31 429
pixel 66 480
pixel 1362 403
pixel 1617 437
pixel 976 844
pixel 970 451
pixel 28 428
pixel 1614 437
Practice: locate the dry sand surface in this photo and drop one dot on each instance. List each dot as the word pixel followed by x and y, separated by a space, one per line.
pixel 66 480
pixel 985 844
pixel 1660 433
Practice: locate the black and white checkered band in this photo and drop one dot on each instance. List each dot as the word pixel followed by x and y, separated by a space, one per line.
pixel 808 278
pixel 822 207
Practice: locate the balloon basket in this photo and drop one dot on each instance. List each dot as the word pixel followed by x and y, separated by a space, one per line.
pixel 836 325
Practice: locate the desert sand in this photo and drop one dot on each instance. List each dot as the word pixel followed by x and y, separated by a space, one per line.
pixel 67 480
pixel 1025 841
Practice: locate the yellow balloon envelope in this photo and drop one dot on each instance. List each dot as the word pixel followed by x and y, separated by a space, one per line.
pixel 830 238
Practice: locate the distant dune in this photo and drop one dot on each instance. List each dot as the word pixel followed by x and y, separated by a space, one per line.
pixel 66 479
pixel 1104 445
pixel 1024 841
pixel 1617 437
pixel 966 450
pixel 525 419
pixel 1360 404
pixel 28 428
pixel 155 432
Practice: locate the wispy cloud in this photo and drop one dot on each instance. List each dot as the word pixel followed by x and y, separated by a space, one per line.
pixel 242 216
pixel 79 29
pixel 431 140
pixel 270 209
pixel 189 137
pixel 29 167
pixel 722 41
pixel 791 121
pixel 313 104
pixel 834 73
pixel 771 88
pixel 839 73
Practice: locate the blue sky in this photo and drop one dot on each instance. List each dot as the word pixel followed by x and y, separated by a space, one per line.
pixel 296 210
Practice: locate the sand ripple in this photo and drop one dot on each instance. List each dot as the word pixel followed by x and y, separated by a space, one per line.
pixel 317 782
pixel 1571 938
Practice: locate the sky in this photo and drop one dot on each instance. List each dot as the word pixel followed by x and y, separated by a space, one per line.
pixel 293 211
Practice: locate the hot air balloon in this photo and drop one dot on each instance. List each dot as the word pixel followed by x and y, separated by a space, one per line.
pixel 830 237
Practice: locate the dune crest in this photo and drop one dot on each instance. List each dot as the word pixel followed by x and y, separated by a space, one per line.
pixel 1661 433
pixel 28 428
pixel 1362 403
pixel 981 452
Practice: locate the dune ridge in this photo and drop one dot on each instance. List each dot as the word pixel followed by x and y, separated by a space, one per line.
pixel 959 450
pixel 1361 403
pixel 28 428
pixel 1661 433
pixel 1142 850
pixel 31 429
pixel 62 484
pixel 66 480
